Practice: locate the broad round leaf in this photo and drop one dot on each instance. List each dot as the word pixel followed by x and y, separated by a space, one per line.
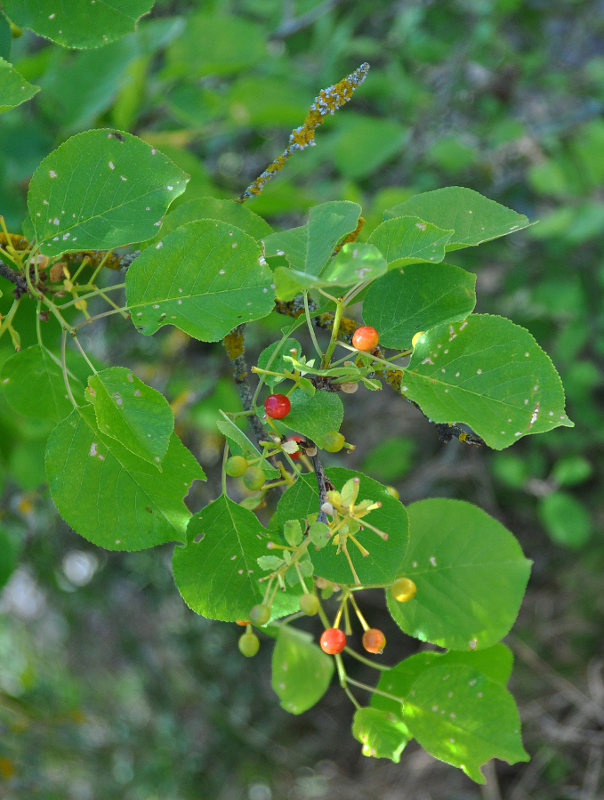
pixel 463 718
pixel 112 497
pixel 473 218
pixel 78 23
pixel 309 247
pixel 33 384
pixel 301 672
pixel 489 373
pixel 216 572
pixel 228 211
pixel 128 410
pixel 470 575
pixel 416 298
pixel 354 264
pixel 14 89
pixel 495 662
pixel 406 240
pixel 99 190
pixel 205 278
pixel 382 734
pixel 315 415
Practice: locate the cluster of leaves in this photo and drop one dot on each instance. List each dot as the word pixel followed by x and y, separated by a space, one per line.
pixel 394 260
pixel 208 272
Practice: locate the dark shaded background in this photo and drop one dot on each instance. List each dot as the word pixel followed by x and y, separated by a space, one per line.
pixel 109 687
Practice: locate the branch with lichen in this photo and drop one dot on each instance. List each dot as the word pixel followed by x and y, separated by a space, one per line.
pixel 235 349
pixel 328 101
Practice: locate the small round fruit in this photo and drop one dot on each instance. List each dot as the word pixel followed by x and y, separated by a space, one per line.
pixel 403 589
pixel 249 644
pixel 254 478
pixel 309 604
pixel 365 338
pixel 348 387
pixel 333 442
pixel 394 492
pixel 236 466
pixel 295 438
pixel 260 614
pixel 332 641
pixel 416 337
pixel 277 406
pixel 374 640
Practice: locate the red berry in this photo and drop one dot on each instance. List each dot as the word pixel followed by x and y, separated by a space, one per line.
pixel 295 438
pixel 277 406
pixel 374 640
pixel 365 338
pixel 332 641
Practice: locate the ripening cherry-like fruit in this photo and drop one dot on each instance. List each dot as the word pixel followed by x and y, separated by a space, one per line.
pixel 403 589
pixel 309 604
pixel 333 442
pixel 277 406
pixel 260 614
pixel 365 338
pixel 374 640
pixel 236 466
pixel 248 644
pixel 254 478
pixel 332 641
pixel 242 622
pixel 416 337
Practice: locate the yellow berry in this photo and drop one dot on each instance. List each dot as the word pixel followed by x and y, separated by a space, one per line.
pixel 403 589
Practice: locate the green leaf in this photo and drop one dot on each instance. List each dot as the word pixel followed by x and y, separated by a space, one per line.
pixel 242 445
pixel 495 662
pixel 217 571
pixel 382 734
pixel 470 575
pixel 205 278
pixel 417 298
pixel 112 497
pixel 78 23
pixel 565 519
pixel 216 44
pixel 272 358
pixel 385 559
pixel 128 410
pixel 313 416
pixel 14 89
pixel 301 671
pixel 309 247
pixel 363 143
pixel 406 240
pixel 228 211
pixel 571 470
pixel 463 718
pixel 6 37
pixel 33 385
pixel 354 264
pixel 99 190
pixel 9 551
pixel 489 373
pixel 473 218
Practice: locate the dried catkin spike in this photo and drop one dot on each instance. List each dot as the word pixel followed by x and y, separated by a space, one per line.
pixel 328 101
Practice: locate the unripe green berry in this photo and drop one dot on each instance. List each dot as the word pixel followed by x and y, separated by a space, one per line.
pixel 333 442
pixel 254 478
pixel 309 604
pixel 249 644
pixel 260 614
pixel 236 466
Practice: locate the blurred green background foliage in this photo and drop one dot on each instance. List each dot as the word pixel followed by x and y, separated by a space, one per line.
pixel 109 686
